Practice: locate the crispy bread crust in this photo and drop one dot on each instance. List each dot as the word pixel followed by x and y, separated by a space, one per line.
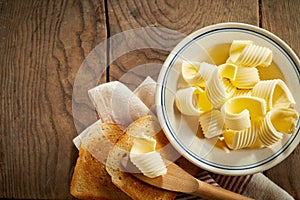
pixel 125 181
pixel 90 179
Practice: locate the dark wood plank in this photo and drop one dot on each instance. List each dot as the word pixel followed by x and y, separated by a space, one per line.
pixel 283 19
pixel 182 16
pixel 43 44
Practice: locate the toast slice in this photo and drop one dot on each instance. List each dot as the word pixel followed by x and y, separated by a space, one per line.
pixel 90 179
pixel 133 187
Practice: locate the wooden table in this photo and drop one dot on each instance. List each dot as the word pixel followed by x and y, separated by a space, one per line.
pixel 42 47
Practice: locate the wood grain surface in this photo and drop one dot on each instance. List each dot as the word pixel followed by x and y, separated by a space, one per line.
pixel 181 16
pixel 44 44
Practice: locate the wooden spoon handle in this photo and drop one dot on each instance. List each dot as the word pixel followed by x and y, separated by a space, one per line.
pixel 212 192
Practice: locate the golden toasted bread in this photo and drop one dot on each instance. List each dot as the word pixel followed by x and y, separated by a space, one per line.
pixel 125 181
pixel 90 179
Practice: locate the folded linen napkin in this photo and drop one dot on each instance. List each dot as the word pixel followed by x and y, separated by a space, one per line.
pixel 141 102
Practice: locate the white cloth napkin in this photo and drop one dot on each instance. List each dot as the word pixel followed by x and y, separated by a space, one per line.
pixel 129 106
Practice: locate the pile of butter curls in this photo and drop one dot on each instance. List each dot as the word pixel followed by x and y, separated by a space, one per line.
pixel 231 101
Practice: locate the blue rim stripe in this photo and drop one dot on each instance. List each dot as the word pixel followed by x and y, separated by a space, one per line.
pixel 163 90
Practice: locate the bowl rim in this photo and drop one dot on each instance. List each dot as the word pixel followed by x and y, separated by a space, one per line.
pixel 264 164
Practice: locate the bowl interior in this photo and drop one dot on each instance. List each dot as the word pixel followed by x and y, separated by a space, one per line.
pixel 211 45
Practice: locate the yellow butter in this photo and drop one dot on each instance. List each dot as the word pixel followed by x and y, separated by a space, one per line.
pixel 192 101
pixel 233 100
pixel 246 78
pixel 216 91
pixel 190 71
pixel 228 71
pixel 246 54
pixel 143 144
pixel 254 55
pixel 145 158
pixel 275 92
pixel 203 104
pixel 284 119
pixel 240 139
pixel 218 87
pixel 240 111
pixel 196 73
pixel 230 89
pixel 267 134
pixel 242 92
pixel 238 121
pixel 237 47
pixel 212 123
pixel 277 122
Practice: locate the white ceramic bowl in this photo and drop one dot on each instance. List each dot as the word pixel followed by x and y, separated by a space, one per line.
pixel 181 130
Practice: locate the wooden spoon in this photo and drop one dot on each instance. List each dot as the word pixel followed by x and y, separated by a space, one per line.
pixel 178 180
